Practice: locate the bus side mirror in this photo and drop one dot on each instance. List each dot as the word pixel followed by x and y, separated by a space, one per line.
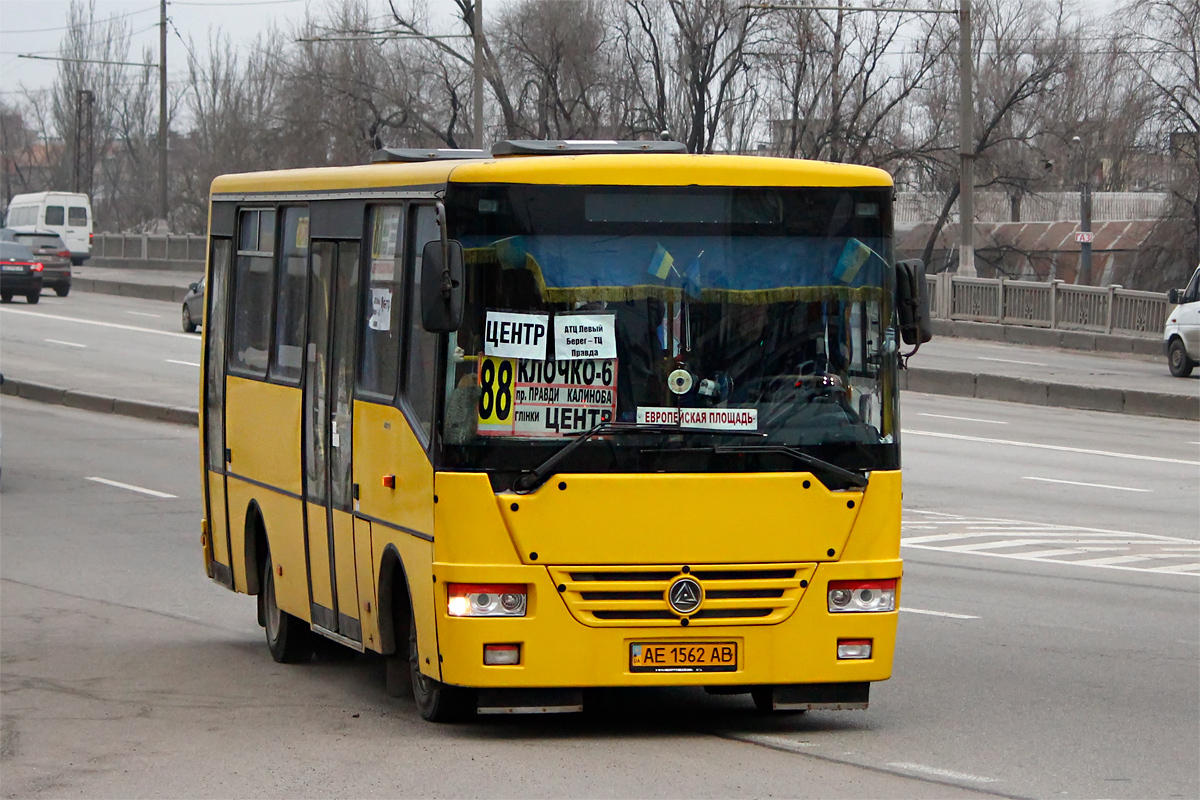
pixel 1173 297
pixel 912 302
pixel 442 287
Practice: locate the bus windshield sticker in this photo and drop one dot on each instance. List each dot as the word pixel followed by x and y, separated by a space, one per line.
pixel 510 335
pixel 717 419
pixel 545 399
pixel 381 310
pixel 383 270
pixel 584 336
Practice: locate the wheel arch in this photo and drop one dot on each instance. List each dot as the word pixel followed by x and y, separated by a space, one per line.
pixel 395 599
pixel 256 546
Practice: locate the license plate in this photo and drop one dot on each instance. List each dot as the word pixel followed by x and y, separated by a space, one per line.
pixel 12 268
pixel 683 657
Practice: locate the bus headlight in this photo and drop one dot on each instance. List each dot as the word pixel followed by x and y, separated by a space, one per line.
pixel 862 596
pixel 486 600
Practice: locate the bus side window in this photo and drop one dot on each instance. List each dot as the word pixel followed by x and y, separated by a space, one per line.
pixel 379 364
pixel 420 378
pixel 54 215
pixel 253 293
pixel 292 296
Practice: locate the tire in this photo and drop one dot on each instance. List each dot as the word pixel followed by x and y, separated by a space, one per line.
pixel 437 702
pixel 1177 359
pixel 6 297
pixel 63 291
pixel 33 297
pixel 188 325
pixel 289 638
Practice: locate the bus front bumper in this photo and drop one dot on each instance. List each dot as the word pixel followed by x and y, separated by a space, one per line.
pixel 557 650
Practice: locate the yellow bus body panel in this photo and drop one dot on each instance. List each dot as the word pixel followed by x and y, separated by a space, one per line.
pixel 262 432
pixel 557 649
pixel 368 600
pixel 344 568
pixel 672 518
pixel 318 555
pixel 216 525
pixel 384 444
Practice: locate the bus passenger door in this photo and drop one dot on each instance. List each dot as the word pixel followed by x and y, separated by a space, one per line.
pixel 328 437
pixel 217 544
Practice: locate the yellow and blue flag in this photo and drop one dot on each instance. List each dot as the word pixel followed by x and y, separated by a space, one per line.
pixel 854 255
pixel 660 263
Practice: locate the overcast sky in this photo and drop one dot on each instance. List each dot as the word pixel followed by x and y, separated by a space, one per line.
pixel 37 27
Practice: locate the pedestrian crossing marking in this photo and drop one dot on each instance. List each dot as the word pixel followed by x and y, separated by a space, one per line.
pixel 1057 544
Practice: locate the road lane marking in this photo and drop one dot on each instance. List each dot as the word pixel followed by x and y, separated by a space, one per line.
pixel 964 419
pixel 67 344
pixel 1052 544
pixel 133 488
pixel 143 314
pixel 185 363
pixel 949 774
pixel 946 614
pixel 1056 447
pixel 189 336
pixel 1090 485
pixel 1011 361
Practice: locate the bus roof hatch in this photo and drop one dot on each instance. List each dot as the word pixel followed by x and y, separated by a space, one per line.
pixel 409 155
pixel 579 147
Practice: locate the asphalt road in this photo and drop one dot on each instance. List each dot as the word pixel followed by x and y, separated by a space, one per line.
pixel 1075 367
pixel 1025 668
pixel 120 347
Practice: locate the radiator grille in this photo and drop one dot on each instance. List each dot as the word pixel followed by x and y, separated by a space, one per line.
pixel 636 596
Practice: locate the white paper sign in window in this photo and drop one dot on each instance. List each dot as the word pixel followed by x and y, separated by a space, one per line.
pixel 381 310
pixel 585 336
pixel 510 335
pixel 717 419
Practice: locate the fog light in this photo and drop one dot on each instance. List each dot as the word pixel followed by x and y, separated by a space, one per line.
pixel 853 648
pixel 501 654
pixel 490 600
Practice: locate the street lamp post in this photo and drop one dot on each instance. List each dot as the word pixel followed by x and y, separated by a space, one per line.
pixel 1085 216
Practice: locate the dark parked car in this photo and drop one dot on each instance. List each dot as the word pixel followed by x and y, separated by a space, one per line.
pixel 52 251
pixel 193 307
pixel 20 273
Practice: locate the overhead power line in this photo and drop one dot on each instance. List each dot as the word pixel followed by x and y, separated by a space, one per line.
pixel 86 24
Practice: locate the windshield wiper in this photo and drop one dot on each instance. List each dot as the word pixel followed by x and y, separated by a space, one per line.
pixel 534 478
pixel 852 478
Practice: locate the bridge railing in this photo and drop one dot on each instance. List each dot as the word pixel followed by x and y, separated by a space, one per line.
pixel 149 247
pixel 1057 305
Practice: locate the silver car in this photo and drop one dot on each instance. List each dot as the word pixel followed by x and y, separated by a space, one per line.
pixel 192 315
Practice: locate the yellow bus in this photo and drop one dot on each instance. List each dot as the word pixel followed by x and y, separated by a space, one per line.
pixel 562 415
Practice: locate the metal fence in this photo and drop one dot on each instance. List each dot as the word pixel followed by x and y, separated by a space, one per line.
pixel 1100 309
pixel 145 246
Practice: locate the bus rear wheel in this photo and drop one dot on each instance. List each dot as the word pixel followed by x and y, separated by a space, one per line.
pixel 289 638
pixel 437 702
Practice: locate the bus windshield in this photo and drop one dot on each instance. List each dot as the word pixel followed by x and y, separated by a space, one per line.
pixel 755 320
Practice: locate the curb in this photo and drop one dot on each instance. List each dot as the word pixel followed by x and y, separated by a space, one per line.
pixel 1043 393
pixel 929 381
pixel 1087 341
pixel 144 291
pixel 86 401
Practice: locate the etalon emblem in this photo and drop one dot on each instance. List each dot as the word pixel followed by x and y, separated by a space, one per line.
pixel 684 596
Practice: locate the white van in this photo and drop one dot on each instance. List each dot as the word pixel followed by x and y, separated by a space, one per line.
pixel 1181 336
pixel 65 213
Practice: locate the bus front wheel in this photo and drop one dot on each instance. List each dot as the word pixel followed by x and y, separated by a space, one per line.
pixel 437 702
pixel 289 638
